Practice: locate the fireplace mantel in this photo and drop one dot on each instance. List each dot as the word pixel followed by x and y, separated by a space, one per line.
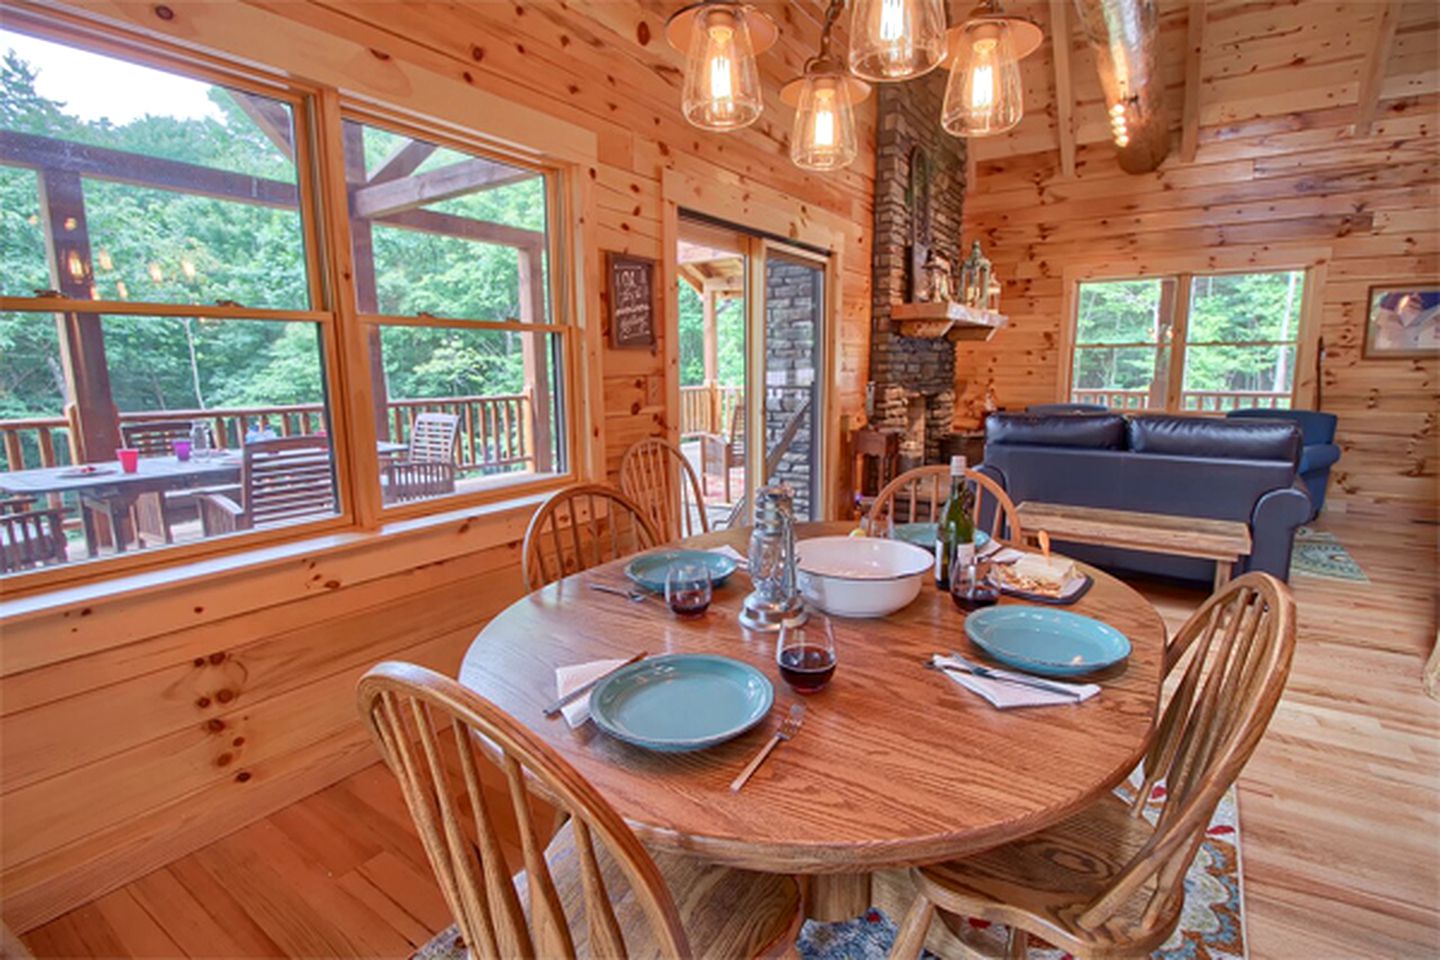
pixel 954 321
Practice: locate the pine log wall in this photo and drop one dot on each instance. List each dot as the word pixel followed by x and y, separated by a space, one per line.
pixel 1278 168
pixel 135 730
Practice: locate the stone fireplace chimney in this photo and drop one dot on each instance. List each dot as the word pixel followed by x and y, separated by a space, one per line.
pixel 919 194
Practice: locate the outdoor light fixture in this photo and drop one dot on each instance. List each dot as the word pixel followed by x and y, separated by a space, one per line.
pixel 720 41
pixel 984 95
pixel 824 97
pixel 896 39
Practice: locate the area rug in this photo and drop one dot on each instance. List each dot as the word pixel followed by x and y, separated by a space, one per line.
pixel 1211 928
pixel 1317 553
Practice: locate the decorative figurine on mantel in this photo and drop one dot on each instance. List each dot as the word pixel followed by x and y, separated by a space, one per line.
pixel 992 301
pixel 975 279
pixel 936 288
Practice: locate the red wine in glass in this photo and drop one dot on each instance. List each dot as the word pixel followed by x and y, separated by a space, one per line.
pixel 688 589
pixel 981 595
pixel 690 603
pixel 806 669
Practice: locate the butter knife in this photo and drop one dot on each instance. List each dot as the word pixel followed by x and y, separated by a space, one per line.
pixel 585 688
pixel 965 666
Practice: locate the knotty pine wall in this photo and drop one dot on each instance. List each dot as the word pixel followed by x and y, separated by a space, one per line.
pixel 1277 172
pixel 138 727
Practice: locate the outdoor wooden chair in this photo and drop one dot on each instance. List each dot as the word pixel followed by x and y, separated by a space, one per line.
pixel 291 478
pixel 722 454
pixel 155 513
pixel 658 477
pixel 1106 882
pixel 918 496
pixel 593 890
pixel 582 526
pixel 30 537
pixel 428 467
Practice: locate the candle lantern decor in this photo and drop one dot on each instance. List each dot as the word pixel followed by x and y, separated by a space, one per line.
pixel 776 598
pixel 975 278
pixel 992 299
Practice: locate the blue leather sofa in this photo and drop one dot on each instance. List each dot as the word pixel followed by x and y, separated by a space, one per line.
pixel 1066 408
pixel 1318 453
pixel 1188 466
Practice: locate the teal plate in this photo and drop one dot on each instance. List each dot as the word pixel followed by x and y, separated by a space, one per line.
pixel 682 701
pixel 649 569
pixel 1053 643
pixel 923 535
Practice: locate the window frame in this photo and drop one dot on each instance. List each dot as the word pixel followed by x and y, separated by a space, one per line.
pixel 1177 275
pixel 318 112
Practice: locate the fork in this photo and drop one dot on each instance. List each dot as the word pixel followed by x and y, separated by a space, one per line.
pixel 634 596
pixel 788 729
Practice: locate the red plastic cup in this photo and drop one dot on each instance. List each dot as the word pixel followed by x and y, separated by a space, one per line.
pixel 129 459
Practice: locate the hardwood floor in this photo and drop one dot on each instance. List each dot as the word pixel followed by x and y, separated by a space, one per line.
pixel 1340 811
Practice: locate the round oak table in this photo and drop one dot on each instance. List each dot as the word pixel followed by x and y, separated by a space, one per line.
pixel 895 765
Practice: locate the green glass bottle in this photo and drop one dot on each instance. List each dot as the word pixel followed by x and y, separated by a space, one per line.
pixel 955 532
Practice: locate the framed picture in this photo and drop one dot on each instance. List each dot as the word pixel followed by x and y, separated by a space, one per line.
pixel 632 299
pixel 1403 321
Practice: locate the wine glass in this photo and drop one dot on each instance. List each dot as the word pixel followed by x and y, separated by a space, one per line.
pixel 974 585
pixel 805 653
pixel 687 588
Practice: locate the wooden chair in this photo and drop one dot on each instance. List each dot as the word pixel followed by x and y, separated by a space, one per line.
pixel 918 496
pixel 594 890
pixel 581 526
pixel 428 467
pixel 875 461
pixel 154 513
pixel 1105 882
pixel 291 478
pixel 658 477
pixel 30 537
pixel 721 454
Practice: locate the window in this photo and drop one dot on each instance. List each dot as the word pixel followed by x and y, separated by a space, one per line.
pixel 169 329
pixel 1196 342
pixel 451 258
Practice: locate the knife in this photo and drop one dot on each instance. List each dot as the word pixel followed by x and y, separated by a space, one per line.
pixel 965 666
pixel 585 688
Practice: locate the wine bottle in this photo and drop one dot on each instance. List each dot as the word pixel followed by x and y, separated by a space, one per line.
pixel 955 532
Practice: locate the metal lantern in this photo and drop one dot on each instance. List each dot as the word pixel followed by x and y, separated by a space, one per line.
pixel 975 278
pixel 776 599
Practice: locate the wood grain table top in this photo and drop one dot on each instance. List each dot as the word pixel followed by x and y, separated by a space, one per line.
pixel 1155 532
pixel 896 765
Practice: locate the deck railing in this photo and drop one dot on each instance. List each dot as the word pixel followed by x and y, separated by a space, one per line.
pixel 1199 401
pixel 707 408
pixel 496 431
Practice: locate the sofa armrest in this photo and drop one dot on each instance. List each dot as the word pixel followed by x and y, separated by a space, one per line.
pixel 219 514
pixel 1273 522
pixel 1318 456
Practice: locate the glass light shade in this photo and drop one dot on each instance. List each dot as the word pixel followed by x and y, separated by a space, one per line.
pixel 722 85
pixel 896 39
pixel 824 134
pixel 984 95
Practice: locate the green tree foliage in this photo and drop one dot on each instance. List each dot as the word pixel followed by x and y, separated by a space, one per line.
pixel 170 246
pixel 730 345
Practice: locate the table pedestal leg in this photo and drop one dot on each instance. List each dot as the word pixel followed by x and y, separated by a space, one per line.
pixel 835 897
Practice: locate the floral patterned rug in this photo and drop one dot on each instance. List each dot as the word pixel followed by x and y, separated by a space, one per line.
pixel 1318 553
pixel 1212 927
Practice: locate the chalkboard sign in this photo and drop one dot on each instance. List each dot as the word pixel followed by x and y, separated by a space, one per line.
pixel 632 300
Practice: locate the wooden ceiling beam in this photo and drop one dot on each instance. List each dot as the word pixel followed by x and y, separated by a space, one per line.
pixel 1064 92
pixel 1125 37
pixel 1373 77
pixel 403 161
pixel 271 117
pixel 443 183
pixel 1194 49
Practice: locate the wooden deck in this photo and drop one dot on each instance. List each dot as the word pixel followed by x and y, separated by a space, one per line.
pixel 1339 816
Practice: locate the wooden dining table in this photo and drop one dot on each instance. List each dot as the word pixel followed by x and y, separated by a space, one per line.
pixel 896 765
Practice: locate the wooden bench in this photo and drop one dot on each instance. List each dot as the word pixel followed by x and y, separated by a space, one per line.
pixel 1224 541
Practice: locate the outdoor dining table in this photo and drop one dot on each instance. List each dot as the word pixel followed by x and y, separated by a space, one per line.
pixel 895 765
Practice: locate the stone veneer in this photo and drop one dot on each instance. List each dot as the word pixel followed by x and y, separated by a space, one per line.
pixel 903 368
pixel 793 291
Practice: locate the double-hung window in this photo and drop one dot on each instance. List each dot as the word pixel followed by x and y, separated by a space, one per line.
pixel 1188 342
pixel 181 270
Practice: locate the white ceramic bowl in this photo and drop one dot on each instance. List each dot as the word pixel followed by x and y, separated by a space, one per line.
pixel 861 576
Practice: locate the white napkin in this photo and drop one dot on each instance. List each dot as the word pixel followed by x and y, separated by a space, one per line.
pixel 1005 696
pixel 577 675
pixel 741 561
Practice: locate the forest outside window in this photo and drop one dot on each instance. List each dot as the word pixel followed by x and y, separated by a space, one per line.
pixel 162 357
pixel 1190 342
pixel 451 254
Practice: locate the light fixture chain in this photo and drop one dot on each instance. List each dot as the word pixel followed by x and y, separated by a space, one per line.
pixel 832 13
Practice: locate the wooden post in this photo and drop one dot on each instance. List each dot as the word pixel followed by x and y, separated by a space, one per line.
pixel 367 298
pixel 90 407
pixel 1125 38
pixel 534 355
pixel 1064 94
pixel 709 306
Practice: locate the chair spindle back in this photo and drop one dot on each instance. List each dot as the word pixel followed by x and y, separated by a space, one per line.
pixel 582 526
pixel 660 479
pixel 918 496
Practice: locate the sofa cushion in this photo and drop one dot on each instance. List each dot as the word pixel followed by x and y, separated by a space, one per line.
pixel 1105 431
pixel 1317 426
pixel 1238 439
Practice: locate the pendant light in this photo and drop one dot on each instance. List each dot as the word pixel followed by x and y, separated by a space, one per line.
pixel 984 96
pixel 896 39
pixel 720 41
pixel 824 98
